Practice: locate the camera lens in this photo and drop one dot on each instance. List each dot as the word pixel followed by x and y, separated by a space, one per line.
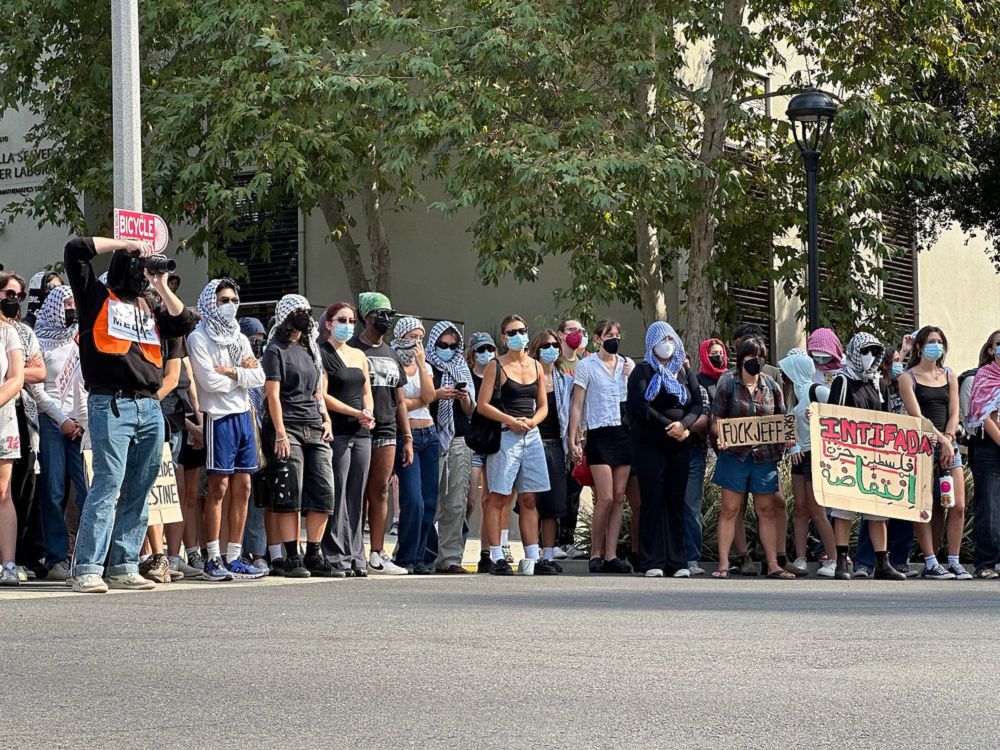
pixel 158 264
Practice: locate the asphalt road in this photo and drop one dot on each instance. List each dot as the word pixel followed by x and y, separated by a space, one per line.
pixel 572 662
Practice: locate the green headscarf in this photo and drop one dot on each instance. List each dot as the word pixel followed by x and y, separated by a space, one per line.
pixel 371 301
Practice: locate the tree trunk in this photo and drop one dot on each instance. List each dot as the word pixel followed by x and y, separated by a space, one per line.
pixel 340 234
pixel 652 296
pixel 378 240
pixel 700 305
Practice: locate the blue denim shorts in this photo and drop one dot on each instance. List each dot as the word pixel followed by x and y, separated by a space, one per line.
pixel 519 464
pixel 746 476
pixel 478 461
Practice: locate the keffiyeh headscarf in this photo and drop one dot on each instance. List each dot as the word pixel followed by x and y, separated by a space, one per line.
pixel 826 341
pixel 665 375
pixel 285 307
pixel 453 371
pixel 223 332
pixel 853 367
pixel 50 321
pixel 404 347
pixel 985 397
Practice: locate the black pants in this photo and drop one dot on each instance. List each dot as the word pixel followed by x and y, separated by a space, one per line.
pixel 663 479
pixel 22 490
pixel 567 525
pixel 986 500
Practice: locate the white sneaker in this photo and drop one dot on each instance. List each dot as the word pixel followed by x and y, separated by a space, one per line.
pixel 574 553
pixel 90 583
pixel 828 569
pixel 653 573
pixel 8 575
pixel 179 565
pixel 131 582
pixel 682 573
pixel 558 553
pixel 800 567
pixel 381 565
pixel 695 569
pixel 58 572
pixel 526 567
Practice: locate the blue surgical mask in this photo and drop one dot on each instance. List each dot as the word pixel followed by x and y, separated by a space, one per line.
pixel 518 342
pixel 933 351
pixel 548 356
pixel 897 369
pixel 343 331
pixel 445 355
pixel 484 358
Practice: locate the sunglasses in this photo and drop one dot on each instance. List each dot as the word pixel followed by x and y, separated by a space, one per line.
pixel 348 321
pixel 441 345
pixel 11 294
pixel 550 345
pixel 872 350
pixel 385 313
pixel 516 332
pixel 485 348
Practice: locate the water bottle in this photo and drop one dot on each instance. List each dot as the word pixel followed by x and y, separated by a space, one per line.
pixel 947 491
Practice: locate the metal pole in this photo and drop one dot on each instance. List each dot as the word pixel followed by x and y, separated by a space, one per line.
pixel 126 115
pixel 812 165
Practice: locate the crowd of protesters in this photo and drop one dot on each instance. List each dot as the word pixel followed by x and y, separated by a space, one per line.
pixel 307 428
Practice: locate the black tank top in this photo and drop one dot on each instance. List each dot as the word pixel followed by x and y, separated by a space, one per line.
pixel 549 428
pixel 346 384
pixel 933 401
pixel 518 399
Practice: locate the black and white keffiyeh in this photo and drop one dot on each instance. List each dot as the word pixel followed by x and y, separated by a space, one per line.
pixel 225 333
pixel 285 307
pixel 453 371
pixel 50 321
pixel 403 346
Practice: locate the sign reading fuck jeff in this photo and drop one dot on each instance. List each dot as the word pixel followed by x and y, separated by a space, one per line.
pixel 136 225
pixel 769 430
pixel 872 462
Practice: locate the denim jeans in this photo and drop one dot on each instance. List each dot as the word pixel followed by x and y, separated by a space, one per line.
pixel 900 536
pixel 127 453
pixel 418 494
pixel 58 456
pixel 254 536
pixel 693 497
pixel 986 501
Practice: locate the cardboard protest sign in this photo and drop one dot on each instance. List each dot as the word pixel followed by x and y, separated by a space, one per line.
pixel 872 462
pixel 164 499
pixel 778 428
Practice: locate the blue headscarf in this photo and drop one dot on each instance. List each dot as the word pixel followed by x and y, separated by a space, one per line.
pixel 665 375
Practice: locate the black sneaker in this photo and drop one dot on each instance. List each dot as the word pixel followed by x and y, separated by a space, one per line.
pixel 546 568
pixel 617 565
pixel 294 568
pixel 485 564
pixel 502 568
pixel 557 566
pixel 318 566
pixel 358 572
pixel 597 565
pixel 843 571
pixel 278 567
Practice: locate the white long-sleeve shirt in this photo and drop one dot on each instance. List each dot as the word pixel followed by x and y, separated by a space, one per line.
pixel 220 395
pixel 54 399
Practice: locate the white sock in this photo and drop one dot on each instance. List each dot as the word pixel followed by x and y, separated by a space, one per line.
pixel 547 554
pixel 504 533
pixel 496 554
pixel 143 558
pixel 953 560
pixel 531 551
pixel 213 550
pixel 233 551
pixel 930 561
pixel 276 551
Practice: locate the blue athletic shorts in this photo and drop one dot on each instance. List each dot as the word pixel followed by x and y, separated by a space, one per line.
pixel 229 444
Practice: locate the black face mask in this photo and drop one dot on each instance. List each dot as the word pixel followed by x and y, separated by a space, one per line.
pixel 716 360
pixel 382 324
pixel 70 318
pixel 10 308
pixel 300 322
pixel 611 345
pixel 257 347
pixel 125 275
pixel 753 366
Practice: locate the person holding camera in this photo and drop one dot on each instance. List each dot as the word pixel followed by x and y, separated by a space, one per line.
pixel 122 365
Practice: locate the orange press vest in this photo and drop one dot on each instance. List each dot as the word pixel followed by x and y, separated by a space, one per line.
pixel 108 344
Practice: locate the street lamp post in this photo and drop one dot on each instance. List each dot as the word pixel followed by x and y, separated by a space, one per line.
pixel 811 114
pixel 126 116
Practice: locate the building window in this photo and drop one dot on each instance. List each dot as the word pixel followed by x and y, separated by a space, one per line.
pixel 899 285
pixel 756 305
pixel 268 251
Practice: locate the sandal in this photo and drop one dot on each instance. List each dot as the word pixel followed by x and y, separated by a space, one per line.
pixel 782 575
pixel 721 573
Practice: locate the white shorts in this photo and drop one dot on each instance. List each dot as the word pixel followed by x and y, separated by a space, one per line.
pixel 848 515
pixel 10 438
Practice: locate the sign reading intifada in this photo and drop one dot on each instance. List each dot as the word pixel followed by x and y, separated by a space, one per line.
pixel 136 225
